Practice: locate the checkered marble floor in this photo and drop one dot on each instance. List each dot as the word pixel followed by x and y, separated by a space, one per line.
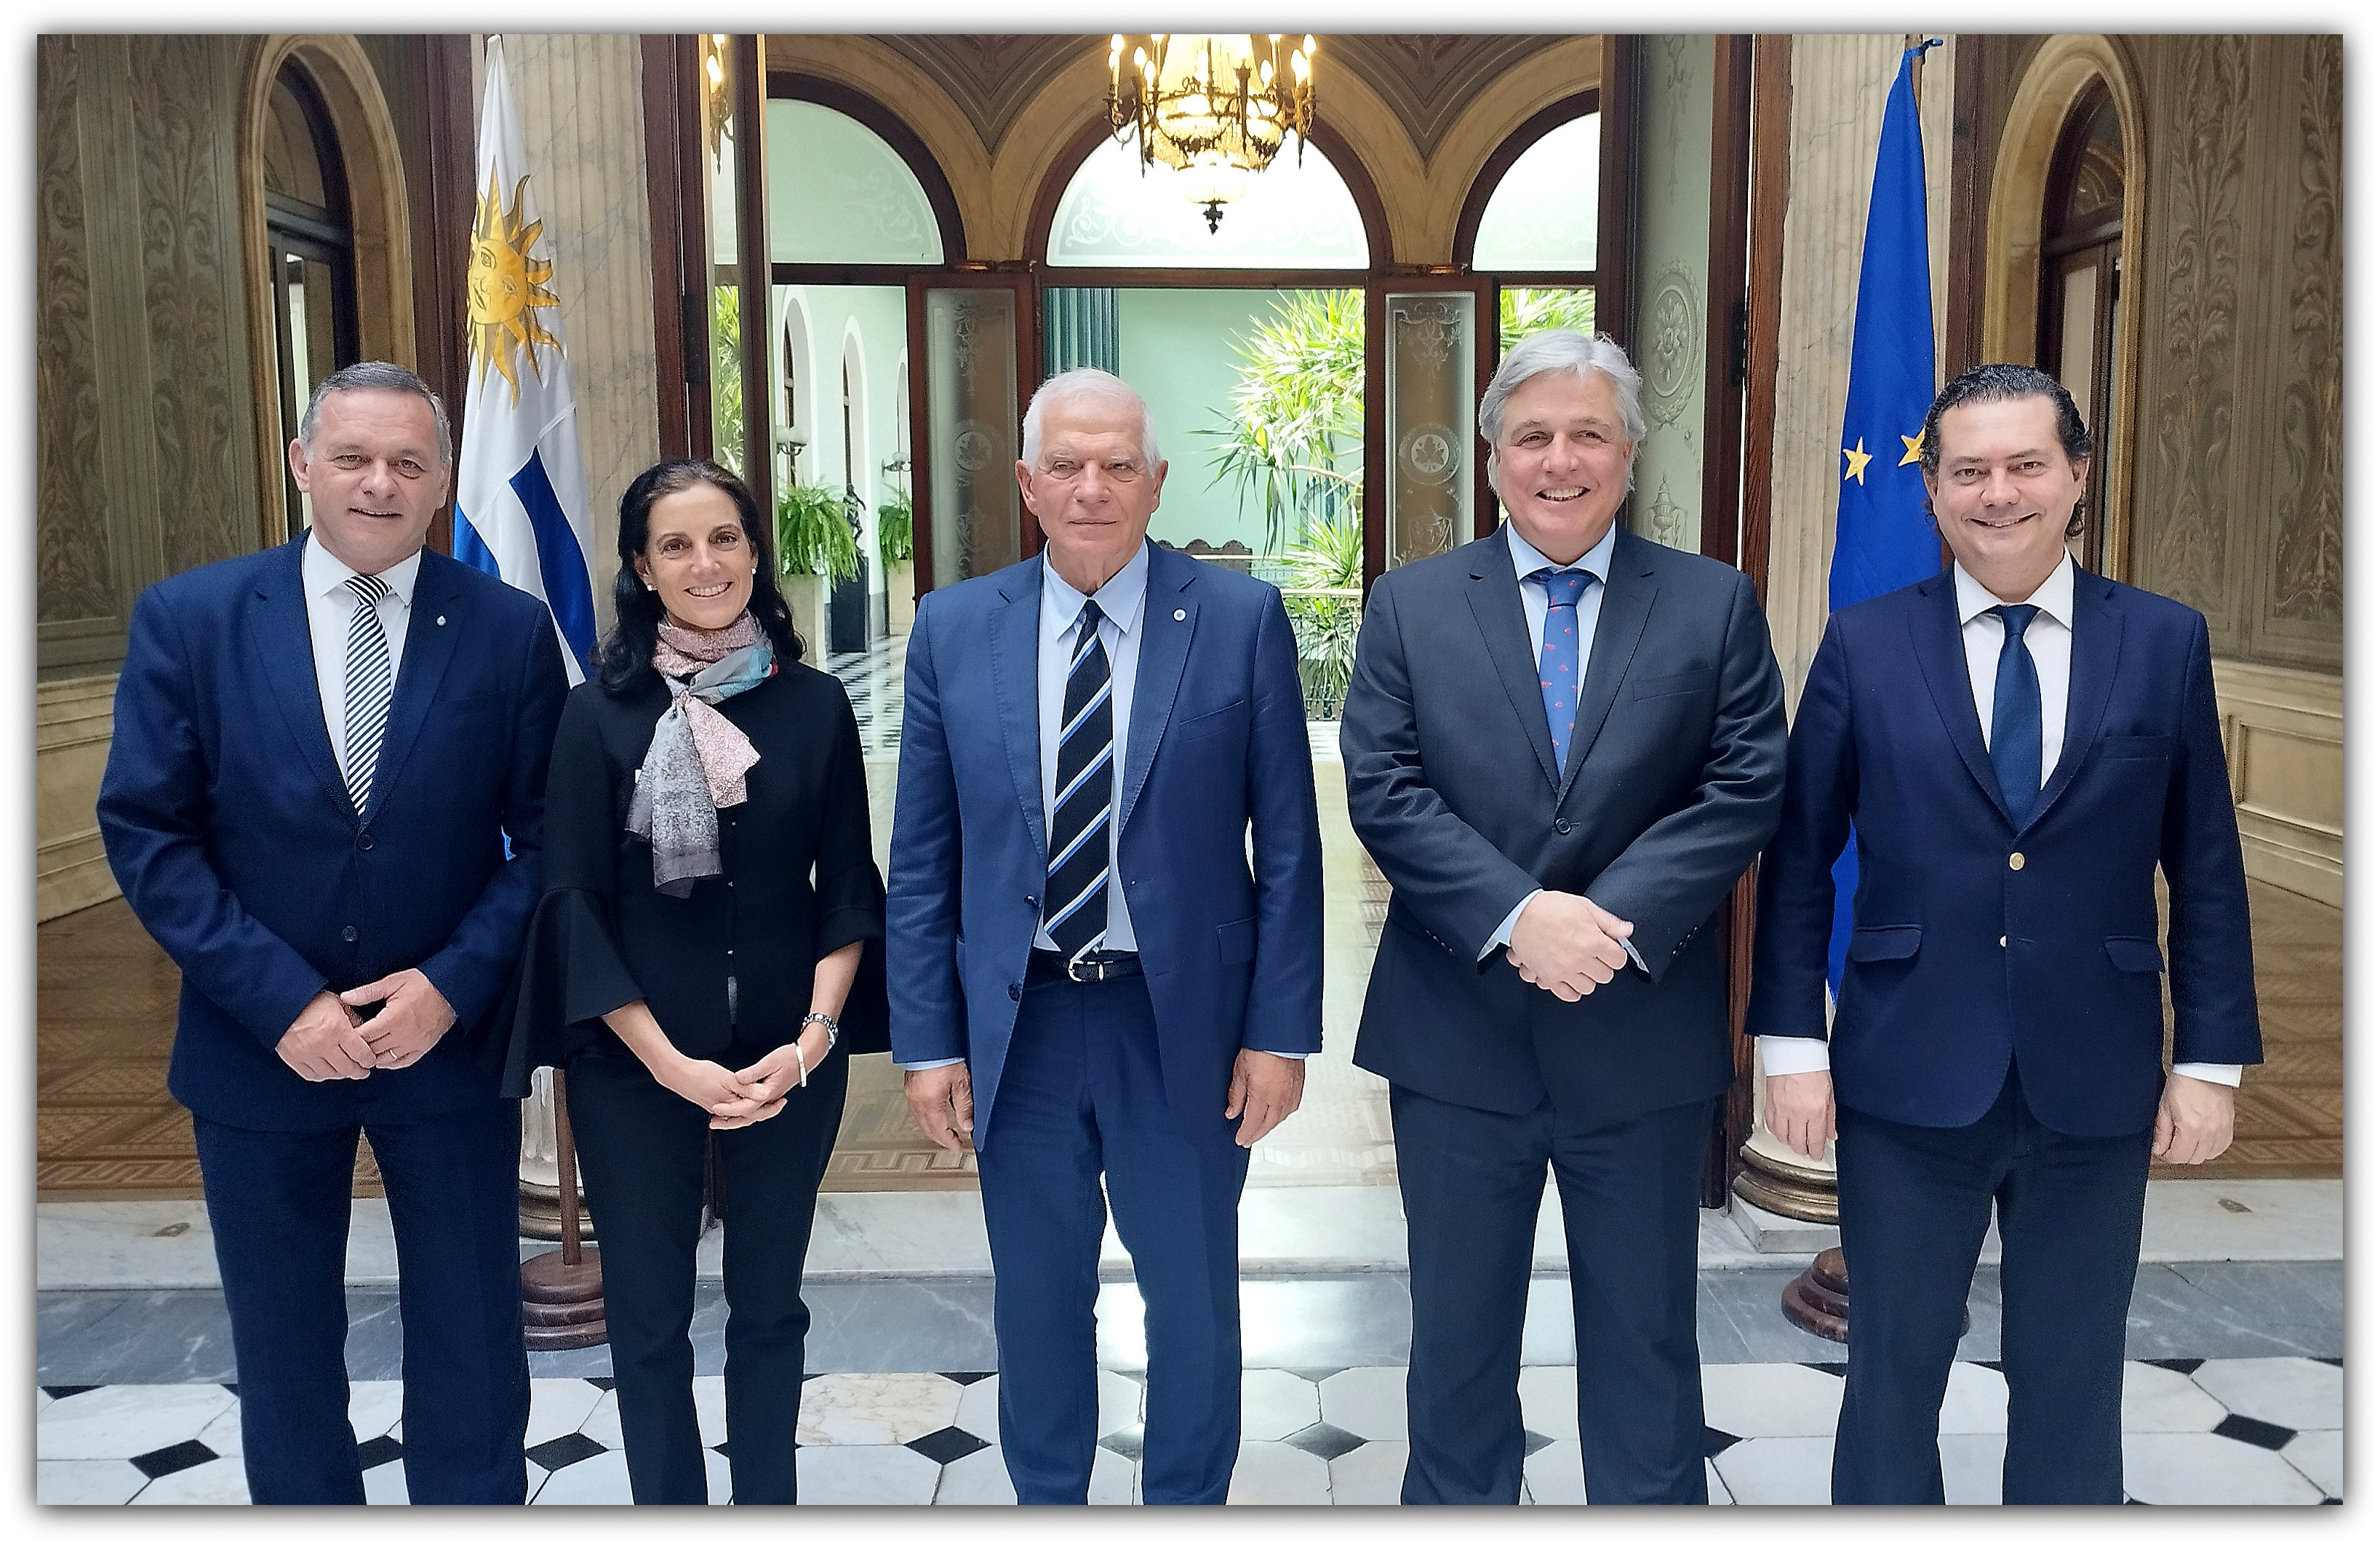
pixel 2253 1431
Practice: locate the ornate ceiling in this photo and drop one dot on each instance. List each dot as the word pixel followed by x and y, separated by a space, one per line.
pixel 1426 79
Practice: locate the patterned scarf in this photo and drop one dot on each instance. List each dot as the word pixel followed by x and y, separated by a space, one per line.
pixel 694 766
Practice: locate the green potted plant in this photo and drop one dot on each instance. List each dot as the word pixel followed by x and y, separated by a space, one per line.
pixel 897 546
pixel 815 547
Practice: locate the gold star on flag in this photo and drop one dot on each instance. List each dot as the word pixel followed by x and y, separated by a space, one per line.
pixel 1911 441
pixel 1856 458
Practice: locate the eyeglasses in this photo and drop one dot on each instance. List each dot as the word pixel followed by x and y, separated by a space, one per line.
pixel 1122 470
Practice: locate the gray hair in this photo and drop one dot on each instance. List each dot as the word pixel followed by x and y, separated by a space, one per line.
pixel 1086 383
pixel 1559 348
pixel 376 375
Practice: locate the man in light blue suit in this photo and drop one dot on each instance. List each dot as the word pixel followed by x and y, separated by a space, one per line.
pixel 1088 974
pixel 321 751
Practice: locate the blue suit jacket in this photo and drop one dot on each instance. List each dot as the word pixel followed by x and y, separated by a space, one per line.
pixel 229 829
pixel 1932 1003
pixel 1217 748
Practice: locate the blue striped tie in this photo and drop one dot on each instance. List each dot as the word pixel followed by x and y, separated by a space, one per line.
pixel 1074 905
pixel 369 677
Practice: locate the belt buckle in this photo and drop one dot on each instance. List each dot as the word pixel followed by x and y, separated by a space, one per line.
pixel 1075 970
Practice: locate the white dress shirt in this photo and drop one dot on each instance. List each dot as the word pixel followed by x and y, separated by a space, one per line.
pixel 1527 560
pixel 2049 639
pixel 329 605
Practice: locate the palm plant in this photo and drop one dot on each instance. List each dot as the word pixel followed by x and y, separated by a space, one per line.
pixel 895 522
pixel 1325 603
pixel 1520 312
pixel 814 534
pixel 726 380
pixel 1293 439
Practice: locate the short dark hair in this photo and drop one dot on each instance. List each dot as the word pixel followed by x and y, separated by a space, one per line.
pixel 627 649
pixel 2002 382
pixel 376 375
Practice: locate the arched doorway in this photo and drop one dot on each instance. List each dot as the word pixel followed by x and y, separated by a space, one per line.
pixel 2082 273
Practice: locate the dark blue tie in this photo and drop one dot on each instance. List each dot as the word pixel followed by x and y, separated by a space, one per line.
pixel 2016 716
pixel 1558 662
pixel 1074 905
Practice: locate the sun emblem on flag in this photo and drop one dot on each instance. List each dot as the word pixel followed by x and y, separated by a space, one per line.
pixel 505 285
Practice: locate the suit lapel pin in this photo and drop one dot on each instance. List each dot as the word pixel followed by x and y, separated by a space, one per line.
pixel 442 621
pixel 1180 616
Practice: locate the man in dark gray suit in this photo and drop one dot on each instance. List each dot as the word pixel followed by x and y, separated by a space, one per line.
pixel 1563 745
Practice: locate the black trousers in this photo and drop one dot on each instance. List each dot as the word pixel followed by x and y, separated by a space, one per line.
pixel 279 1204
pixel 1915 1203
pixel 640 1153
pixel 1473 1181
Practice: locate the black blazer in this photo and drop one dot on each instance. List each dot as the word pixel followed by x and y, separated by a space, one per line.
pixel 603 936
pixel 1677 768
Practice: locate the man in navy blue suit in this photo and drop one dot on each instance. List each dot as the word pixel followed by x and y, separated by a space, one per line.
pixel 2020 746
pixel 1087 975
pixel 321 753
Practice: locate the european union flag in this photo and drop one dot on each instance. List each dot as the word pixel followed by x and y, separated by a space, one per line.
pixel 1882 538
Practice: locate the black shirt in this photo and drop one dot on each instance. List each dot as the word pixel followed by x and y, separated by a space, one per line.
pixel 727 969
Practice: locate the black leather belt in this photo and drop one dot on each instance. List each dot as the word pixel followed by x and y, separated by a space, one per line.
pixel 1097 965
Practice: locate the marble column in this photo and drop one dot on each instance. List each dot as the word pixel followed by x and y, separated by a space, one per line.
pixel 1839 85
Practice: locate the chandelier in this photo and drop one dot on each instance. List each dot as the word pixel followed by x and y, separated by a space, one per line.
pixel 1215 107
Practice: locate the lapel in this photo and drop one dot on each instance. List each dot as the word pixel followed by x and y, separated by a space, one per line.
pixel 1496 604
pixel 2090 681
pixel 428 646
pixel 1164 650
pixel 1015 664
pixel 1627 601
pixel 1942 659
pixel 284 645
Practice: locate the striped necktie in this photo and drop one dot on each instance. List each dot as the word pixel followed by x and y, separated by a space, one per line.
pixel 1074 905
pixel 369 675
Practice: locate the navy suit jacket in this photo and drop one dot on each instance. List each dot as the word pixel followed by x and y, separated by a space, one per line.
pixel 229 828
pixel 1216 750
pixel 1977 939
pixel 1677 757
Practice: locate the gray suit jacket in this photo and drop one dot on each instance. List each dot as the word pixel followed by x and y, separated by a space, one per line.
pixel 1676 774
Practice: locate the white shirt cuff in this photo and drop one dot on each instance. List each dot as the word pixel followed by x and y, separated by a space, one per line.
pixel 1503 934
pixel 921 1066
pixel 1292 1057
pixel 2225 1074
pixel 1792 1053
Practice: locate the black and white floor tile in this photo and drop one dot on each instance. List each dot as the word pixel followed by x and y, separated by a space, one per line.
pixel 2245 1430
pixel 873 680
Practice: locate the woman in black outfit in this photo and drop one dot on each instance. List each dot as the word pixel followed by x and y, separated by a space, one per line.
pixel 691 976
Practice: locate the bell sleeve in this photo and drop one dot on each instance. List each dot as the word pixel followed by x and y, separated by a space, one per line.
pixel 571 972
pixel 851 888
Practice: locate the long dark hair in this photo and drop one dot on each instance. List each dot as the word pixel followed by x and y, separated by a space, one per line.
pixel 627 651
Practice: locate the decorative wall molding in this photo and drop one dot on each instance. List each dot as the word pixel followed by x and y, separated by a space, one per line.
pixel 2308 578
pixel 1428 79
pixel 2283 738
pixel 71 520
pixel 73 723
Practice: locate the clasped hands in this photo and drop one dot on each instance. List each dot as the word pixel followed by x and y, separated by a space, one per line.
pixel 1567 945
pixel 745 1096
pixel 329 1039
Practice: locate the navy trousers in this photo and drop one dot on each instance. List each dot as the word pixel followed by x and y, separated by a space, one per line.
pixel 640 1152
pixel 1915 1203
pixel 1082 1095
pixel 1473 1181
pixel 279 1205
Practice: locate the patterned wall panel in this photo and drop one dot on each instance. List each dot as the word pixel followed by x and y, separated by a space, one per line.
pixel 71 515
pixel 2307 575
pixel 2184 515
pixel 185 107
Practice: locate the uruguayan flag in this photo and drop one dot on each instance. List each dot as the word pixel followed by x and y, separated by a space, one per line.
pixel 520 487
